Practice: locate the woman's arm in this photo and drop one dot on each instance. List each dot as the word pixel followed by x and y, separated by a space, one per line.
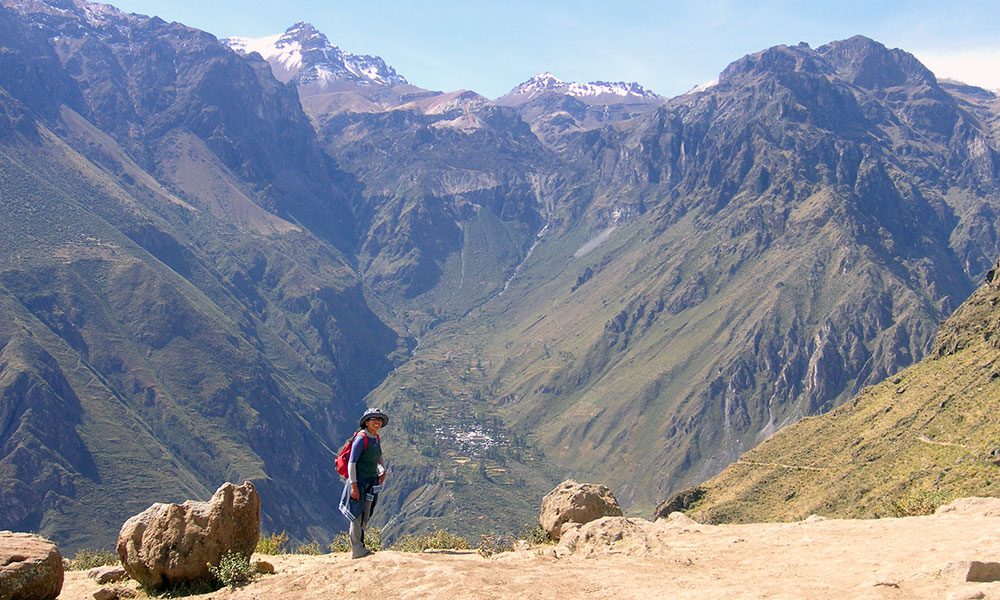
pixel 357 447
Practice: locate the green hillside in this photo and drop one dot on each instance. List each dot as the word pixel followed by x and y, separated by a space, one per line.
pixel 920 438
pixel 150 351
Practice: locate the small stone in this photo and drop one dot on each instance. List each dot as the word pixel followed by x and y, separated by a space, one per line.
pixel 108 574
pixel 880 581
pixel 966 594
pixel 263 567
pixel 113 592
pixel 972 570
pixel 105 594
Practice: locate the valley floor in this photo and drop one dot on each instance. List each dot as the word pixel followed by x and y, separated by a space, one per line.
pixel 676 558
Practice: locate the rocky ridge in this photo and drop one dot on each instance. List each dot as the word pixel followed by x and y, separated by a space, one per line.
pixel 592 93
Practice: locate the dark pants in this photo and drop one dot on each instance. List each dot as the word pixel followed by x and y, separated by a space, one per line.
pixel 359 511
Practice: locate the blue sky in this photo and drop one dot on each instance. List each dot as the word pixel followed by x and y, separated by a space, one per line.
pixel 669 47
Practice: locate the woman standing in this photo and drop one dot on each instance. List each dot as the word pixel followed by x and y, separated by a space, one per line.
pixel 365 475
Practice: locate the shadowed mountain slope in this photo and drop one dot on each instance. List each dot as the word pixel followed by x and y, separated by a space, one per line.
pixel 914 441
pixel 177 311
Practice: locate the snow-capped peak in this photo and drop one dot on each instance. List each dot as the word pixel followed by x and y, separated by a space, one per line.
pixel 547 82
pixel 304 55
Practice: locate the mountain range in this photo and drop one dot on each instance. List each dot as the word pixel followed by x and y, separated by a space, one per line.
pixel 218 252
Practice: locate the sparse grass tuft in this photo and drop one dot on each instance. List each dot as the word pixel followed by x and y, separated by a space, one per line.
pixel 439 540
pixel 272 544
pixel 342 542
pixel 312 547
pixel 373 539
pixel 88 559
pixel 495 544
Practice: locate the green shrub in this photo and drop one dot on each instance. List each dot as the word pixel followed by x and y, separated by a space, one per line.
pixel 342 541
pixel 373 539
pixel 234 570
pixel 439 540
pixel 88 559
pixel 536 535
pixel 312 547
pixel 495 544
pixel 272 544
pixel 917 503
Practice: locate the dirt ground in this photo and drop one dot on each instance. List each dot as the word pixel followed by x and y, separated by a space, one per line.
pixel 907 558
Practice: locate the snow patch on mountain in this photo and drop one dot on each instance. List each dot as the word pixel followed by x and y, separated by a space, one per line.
pixel 100 14
pixel 704 86
pixel 304 55
pixel 549 83
pixel 266 46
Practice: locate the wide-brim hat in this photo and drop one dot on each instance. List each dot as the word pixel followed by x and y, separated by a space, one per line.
pixel 373 412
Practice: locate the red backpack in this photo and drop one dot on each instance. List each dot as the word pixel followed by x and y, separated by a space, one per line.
pixel 345 453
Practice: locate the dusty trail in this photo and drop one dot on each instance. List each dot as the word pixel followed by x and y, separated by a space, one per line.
pixel 675 558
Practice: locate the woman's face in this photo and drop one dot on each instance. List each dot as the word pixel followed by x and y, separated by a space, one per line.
pixel 373 424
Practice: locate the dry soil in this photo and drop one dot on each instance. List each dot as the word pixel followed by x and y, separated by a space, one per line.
pixel 623 558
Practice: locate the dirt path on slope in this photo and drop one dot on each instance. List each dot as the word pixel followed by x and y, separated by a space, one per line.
pixel 677 558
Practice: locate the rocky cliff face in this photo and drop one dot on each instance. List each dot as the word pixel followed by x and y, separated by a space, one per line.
pixel 449 199
pixel 810 215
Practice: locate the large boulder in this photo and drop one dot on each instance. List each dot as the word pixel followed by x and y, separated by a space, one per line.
pixel 168 544
pixel 30 567
pixel 572 502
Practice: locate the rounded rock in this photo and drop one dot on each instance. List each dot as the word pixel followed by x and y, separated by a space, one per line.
pixel 572 502
pixel 31 567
